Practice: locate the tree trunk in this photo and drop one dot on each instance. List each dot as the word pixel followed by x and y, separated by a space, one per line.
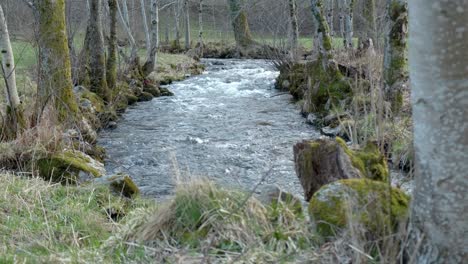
pixel 111 68
pixel 15 113
pixel 123 16
pixel 55 81
pixel 324 38
pixel 200 26
pixel 240 24
pixel 395 57
pixel 145 27
pixel 370 23
pixel 439 76
pixel 294 34
pixel 150 64
pixel 97 58
pixel 187 24
pixel 348 24
pixel 330 11
pixel 177 10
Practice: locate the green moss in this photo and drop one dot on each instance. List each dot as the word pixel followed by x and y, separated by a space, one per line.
pixel 369 161
pixel 65 167
pixel 124 185
pixel 96 101
pixel 375 205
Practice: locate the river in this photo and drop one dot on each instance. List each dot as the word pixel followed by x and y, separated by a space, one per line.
pixel 229 125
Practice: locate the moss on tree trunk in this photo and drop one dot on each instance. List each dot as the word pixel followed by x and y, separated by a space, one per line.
pixel 55 83
pixel 111 70
pixel 240 24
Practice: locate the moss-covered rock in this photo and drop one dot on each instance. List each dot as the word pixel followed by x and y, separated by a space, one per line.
pixel 123 185
pixel 369 161
pixel 144 96
pixel 319 86
pixel 374 205
pixel 69 167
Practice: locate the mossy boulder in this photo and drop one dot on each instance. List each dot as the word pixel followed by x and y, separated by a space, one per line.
pixel 319 85
pixel 122 184
pixel 320 162
pixel 368 160
pixel 375 206
pixel 69 167
pixel 144 96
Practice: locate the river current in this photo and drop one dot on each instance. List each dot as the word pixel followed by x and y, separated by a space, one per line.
pixel 229 125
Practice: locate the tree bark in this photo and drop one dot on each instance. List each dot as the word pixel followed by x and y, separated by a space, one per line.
pixel 330 10
pixel 294 34
pixel 123 17
pixel 395 56
pixel 15 112
pixel 97 58
pixel 145 27
pixel 240 24
pixel 187 24
pixel 348 23
pixel 200 25
pixel 323 31
pixel 55 81
pixel 111 68
pixel 151 60
pixel 177 10
pixel 439 77
pixel 370 23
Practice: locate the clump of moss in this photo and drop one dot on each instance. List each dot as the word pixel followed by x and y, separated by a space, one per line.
pixel 69 167
pixel 369 161
pixel 374 205
pixel 122 184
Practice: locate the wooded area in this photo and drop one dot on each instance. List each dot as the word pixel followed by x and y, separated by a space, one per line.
pixel 381 84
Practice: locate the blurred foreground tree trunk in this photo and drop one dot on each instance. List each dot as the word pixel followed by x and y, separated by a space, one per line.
pixel 15 114
pixel 439 78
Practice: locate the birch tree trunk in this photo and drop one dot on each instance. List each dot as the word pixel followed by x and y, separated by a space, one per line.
pixel 323 31
pixel 14 108
pixel 294 36
pixel 439 76
pixel 152 57
pixel 395 55
pixel 97 58
pixel 55 83
pixel 240 24
pixel 111 68
pixel 187 24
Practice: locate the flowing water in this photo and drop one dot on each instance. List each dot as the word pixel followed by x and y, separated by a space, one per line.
pixel 228 124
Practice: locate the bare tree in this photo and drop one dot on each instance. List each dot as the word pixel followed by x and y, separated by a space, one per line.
pixel 200 25
pixel 124 20
pixel 294 33
pixel 111 66
pixel 323 31
pixel 187 24
pixel 95 46
pixel 240 24
pixel 154 41
pixel 15 109
pixel 395 57
pixel 145 26
pixel 439 77
pixel 177 11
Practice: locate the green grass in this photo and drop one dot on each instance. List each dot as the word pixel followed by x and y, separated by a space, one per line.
pixel 45 223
